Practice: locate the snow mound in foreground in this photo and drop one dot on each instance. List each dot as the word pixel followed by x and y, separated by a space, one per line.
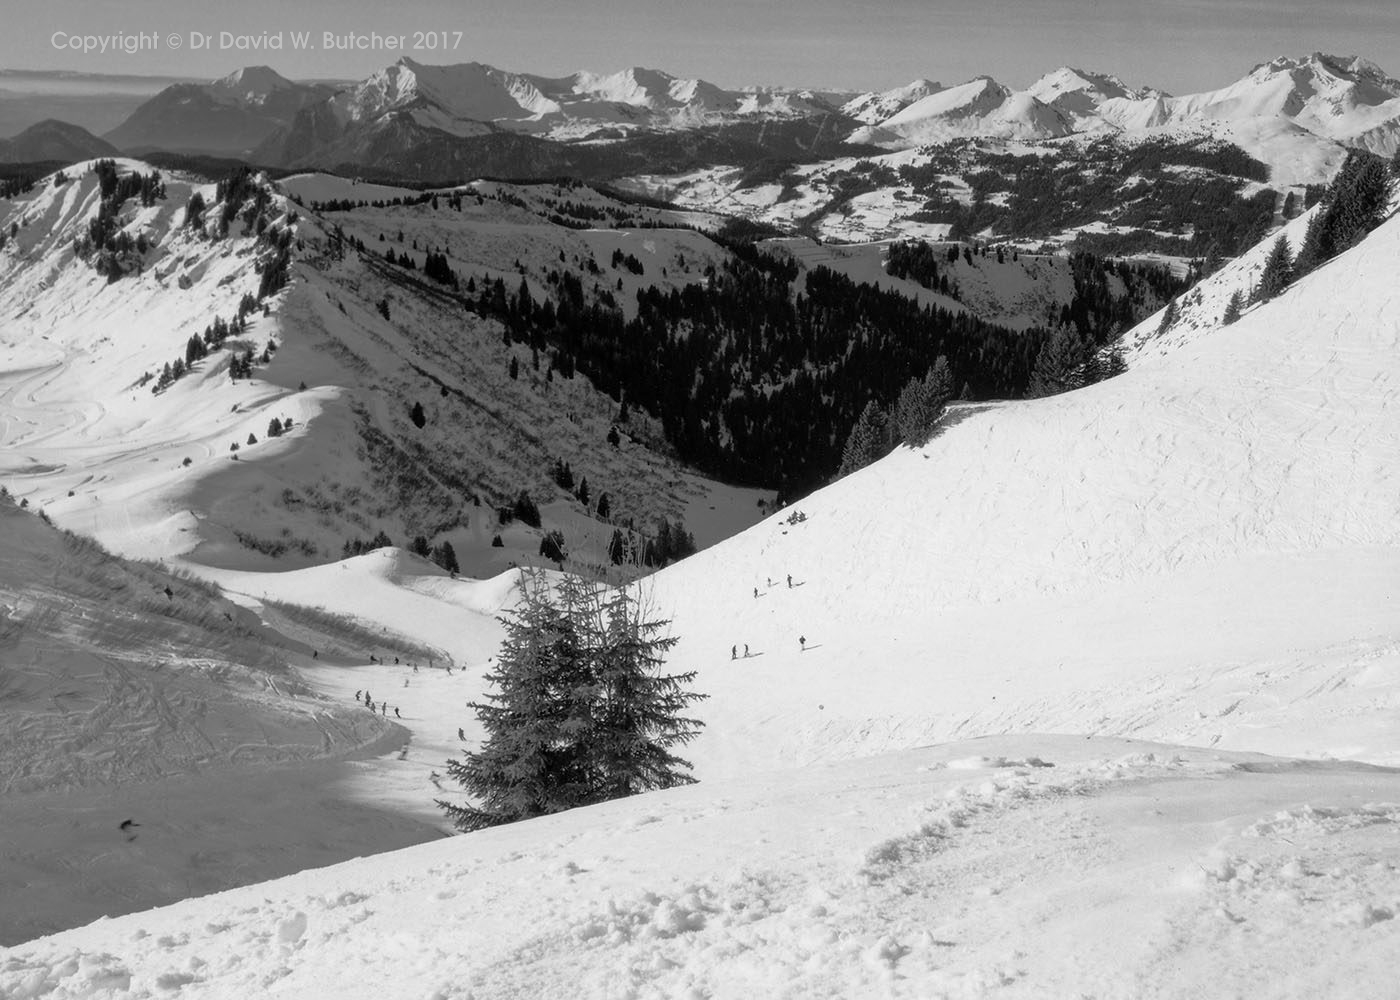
pixel 1122 865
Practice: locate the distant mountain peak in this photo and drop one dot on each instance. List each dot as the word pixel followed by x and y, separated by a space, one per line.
pixel 1344 68
pixel 52 139
pixel 1081 92
pixel 254 80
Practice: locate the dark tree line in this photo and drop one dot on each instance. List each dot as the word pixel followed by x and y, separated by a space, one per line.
pixel 752 381
pixel 1354 204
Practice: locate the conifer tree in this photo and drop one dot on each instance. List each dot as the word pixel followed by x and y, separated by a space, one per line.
pixel 1311 253
pixel 640 712
pixel 1169 316
pixel 921 403
pixel 1233 308
pixel 1056 366
pixel 1278 271
pixel 525 767
pixel 194 211
pixel 617 548
pixel 581 712
pixel 1116 363
pixel 552 546
pixel 446 557
pixel 867 441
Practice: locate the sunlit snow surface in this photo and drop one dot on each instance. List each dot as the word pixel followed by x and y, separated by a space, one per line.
pixel 1202 555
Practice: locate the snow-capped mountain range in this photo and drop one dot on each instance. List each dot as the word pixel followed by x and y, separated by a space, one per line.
pixel 1344 100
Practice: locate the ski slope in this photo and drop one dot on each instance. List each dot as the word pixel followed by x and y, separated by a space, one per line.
pixel 1202 550
pixel 1170 573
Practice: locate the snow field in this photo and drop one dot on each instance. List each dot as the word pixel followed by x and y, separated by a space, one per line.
pixel 828 898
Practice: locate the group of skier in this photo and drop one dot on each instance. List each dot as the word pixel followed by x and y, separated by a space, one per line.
pixel 801 640
pixel 383 705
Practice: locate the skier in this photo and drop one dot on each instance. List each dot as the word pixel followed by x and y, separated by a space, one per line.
pixel 461 735
pixel 396 712
pixel 357 695
pixel 733 652
pixel 396 661
pixel 789 581
pixel 802 639
pixel 315 654
pixel 746 650
pixel 755 593
pixel 384 708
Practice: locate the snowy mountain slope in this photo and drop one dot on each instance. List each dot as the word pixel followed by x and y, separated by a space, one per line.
pixel 1330 95
pixel 1034 866
pixel 1319 102
pixel 1295 114
pixel 465 99
pixel 1080 92
pixel 129 693
pixel 875 107
pixel 107 457
pixel 75 347
pixel 1204 550
pixel 1185 552
pixel 980 107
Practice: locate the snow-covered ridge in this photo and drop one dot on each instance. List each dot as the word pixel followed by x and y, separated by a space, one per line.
pixel 474 92
pixel 1288 112
pixel 1080 92
pixel 980 107
pixel 78 352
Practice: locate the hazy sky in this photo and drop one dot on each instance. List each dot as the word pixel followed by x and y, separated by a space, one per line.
pixel 1179 45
